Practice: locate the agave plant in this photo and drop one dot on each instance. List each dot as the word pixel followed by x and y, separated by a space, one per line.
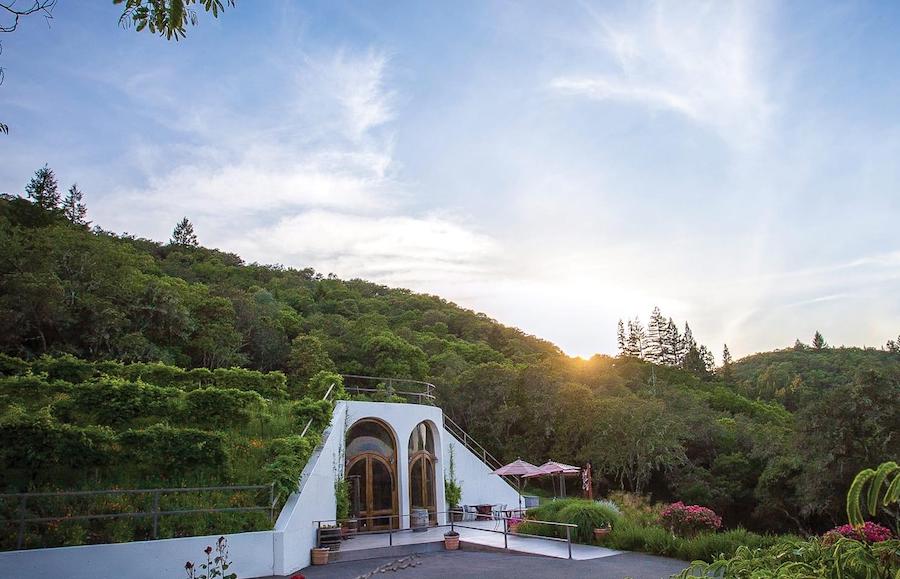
pixel 887 475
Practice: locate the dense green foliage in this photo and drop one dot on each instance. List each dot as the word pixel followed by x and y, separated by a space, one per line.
pixel 771 444
pixel 72 424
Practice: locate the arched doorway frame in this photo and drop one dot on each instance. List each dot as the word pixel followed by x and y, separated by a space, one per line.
pixel 377 517
pixel 425 459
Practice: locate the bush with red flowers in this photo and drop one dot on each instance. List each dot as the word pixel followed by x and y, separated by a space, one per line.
pixel 689 520
pixel 869 532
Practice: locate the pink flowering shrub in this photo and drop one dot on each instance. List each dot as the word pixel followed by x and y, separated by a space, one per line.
pixel 870 533
pixel 688 520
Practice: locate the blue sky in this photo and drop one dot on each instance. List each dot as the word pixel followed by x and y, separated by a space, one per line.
pixel 555 166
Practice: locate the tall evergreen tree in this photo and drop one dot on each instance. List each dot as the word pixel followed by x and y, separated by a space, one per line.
pixel 687 344
pixel 183 234
pixel 819 341
pixel 709 361
pixel 726 364
pixel 620 338
pixel 636 339
pixel 43 189
pixel 73 207
pixel 671 344
pixel 656 328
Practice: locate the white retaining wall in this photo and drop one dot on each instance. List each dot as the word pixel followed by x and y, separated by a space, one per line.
pixel 286 549
pixel 163 559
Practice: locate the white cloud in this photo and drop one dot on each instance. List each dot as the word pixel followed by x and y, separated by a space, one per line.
pixel 307 181
pixel 700 60
pixel 396 249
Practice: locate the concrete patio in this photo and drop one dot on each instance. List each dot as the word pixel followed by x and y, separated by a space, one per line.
pixel 480 535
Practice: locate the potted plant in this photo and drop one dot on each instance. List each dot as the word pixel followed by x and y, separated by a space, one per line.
pixel 602 531
pixel 451 540
pixel 342 511
pixel 320 555
pixel 512 524
pixel 452 490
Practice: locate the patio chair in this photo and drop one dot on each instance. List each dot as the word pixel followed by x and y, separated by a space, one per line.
pixel 470 513
pixel 498 511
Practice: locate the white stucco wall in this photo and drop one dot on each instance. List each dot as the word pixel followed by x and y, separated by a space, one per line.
pixel 286 549
pixel 479 485
pixel 251 554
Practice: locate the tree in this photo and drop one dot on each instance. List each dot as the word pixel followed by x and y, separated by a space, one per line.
pixel 671 344
pixel 307 357
pixel 620 338
pixel 73 208
pixel 819 341
pixel 656 327
pixel 634 343
pixel 183 234
pixel 167 18
pixel 43 189
pixel 726 364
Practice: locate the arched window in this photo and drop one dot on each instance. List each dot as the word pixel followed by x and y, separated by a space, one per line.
pixel 372 472
pixel 421 470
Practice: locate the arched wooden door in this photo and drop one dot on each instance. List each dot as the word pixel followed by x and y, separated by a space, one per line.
pixel 371 470
pixel 421 471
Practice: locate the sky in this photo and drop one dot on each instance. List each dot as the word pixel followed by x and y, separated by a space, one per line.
pixel 558 166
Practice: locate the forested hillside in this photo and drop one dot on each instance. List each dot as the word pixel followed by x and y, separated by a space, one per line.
pixel 770 442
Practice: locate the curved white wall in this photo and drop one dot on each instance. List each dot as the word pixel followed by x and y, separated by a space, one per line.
pixel 287 548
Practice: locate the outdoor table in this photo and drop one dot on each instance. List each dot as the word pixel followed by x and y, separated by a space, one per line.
pixel 484 511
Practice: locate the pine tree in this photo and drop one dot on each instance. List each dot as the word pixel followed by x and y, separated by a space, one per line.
pixel 620 338
pixel 687 344
pixel 893 345
pixel 656 328
pixel 709 362
pixel 726 364
pixel 672 344
pixel 636 339
pixel 43 189
pixel 73 207
pixel 819 341
pixel 183 234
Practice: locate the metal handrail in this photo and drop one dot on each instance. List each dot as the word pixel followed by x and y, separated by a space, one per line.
pixel 310 421
pixel 424 397
pixel 453 524
pixel 473 445
pixel 22 510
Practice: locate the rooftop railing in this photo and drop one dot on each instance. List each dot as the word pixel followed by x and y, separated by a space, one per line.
pixel 415 391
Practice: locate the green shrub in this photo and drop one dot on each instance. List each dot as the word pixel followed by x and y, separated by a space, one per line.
pixel 289 456
pixel 317 410
pixel 272 385
pixel 320 383
pixel 65 367
pixel 115 402
pixel 588 515
pixel 209 408
pixel 11 366
pixel 169 452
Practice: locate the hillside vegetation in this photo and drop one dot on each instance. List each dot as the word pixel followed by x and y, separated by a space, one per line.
pixel 771 443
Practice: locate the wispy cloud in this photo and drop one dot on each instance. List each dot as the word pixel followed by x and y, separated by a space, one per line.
pixel 700 60
pixel 307 181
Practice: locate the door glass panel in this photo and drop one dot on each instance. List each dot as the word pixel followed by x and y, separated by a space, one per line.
pixel 428 491
pixel 357 477
pixel 415 484
pixel 382 487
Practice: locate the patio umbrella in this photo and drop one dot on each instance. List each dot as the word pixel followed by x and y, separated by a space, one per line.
pixel 517 468
pixel 551 468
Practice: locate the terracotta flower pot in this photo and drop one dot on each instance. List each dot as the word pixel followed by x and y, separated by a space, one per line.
pixel 451 542
pixel 320 556
pixel 602 532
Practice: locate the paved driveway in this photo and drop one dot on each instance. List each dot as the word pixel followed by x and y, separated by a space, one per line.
pixel 459 564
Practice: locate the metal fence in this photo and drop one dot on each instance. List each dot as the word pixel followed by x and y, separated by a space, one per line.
pixel 23 519
pixel 413 390
pixel 453 525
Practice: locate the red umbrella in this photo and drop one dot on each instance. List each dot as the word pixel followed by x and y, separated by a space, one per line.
pixel 518 468
pixel 551 468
